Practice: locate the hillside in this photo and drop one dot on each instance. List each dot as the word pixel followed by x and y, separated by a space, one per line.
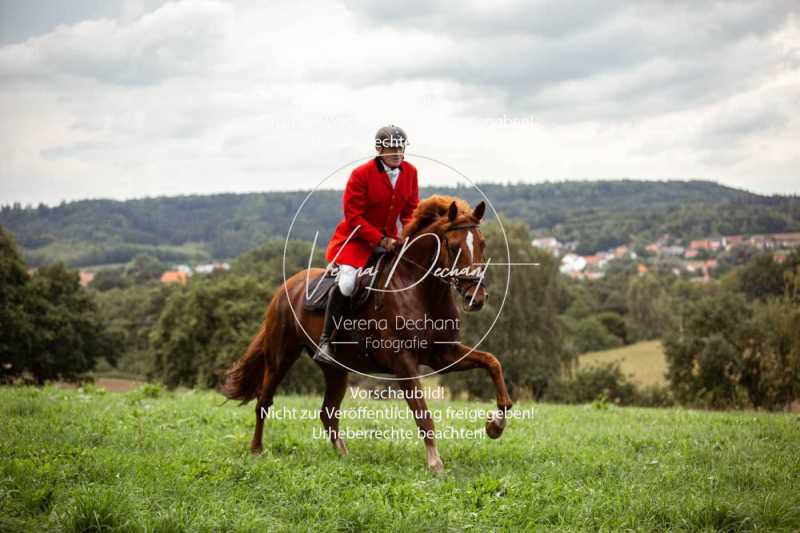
pixel 596 214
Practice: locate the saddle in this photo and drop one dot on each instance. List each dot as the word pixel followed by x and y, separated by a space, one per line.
pixel 315 299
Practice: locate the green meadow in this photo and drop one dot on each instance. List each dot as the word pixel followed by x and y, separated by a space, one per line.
pixel 147 460
pixel 643 362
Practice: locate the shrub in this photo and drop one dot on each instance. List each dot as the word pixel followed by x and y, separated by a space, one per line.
pixel 603 383
pixel 590 335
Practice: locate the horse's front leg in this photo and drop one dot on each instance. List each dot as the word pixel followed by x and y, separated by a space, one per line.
pixel 461 358
pixel 335 387
pixel 422 416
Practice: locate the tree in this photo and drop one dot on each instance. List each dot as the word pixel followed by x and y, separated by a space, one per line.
pixel 591 335
pixel 527 337
pixel 648 305
pixel 144 268
pixel 614 324
pixel 14 318
pixel 131 314
pixel 761 278
pixel 207 325
pixel 110 278
pixel 50 324
pixel 68 334
pixel 729 352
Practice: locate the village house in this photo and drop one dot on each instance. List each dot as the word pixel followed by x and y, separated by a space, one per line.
pixel 705 244
pixel 596 262
pixel 732 241
pixel 620 251
pixel 787 240
pixel 550 244
pixel 673 251
pixel 86 277
pixel 175 276
pixel 211 267
pixel 186 269
pixel 572 263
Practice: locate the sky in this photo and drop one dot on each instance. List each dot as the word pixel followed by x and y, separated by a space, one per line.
pixel 133 98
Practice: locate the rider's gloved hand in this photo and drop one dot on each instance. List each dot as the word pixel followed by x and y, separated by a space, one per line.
pixel 389 244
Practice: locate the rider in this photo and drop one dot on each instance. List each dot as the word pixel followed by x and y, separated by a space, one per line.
pixel 379 199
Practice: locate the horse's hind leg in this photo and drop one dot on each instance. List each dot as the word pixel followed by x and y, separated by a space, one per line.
pixel 269 385
pixel 335 387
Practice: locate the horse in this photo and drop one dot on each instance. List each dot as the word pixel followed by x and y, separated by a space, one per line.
pixel 442 238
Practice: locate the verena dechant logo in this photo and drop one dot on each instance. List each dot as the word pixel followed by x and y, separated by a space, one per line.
pixel 450 273
pixel 476 272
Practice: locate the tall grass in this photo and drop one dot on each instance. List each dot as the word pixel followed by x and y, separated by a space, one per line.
pixel 152 460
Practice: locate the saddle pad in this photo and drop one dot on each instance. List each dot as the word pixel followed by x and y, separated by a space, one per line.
pixel 326 280
pixel 318 288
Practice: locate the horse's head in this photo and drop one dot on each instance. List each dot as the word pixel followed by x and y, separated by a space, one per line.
pixel 460 244
pixel 462 247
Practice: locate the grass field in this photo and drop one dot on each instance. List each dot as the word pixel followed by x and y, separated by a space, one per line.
pixel 83 460
pixel 643 362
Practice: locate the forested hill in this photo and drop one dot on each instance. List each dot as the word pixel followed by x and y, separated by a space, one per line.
pixel 598 214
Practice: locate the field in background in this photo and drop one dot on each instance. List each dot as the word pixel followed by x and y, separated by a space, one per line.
pixel 643 362
pixel 111 384
pixel 77 460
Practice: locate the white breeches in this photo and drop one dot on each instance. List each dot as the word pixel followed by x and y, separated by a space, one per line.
pixel 347 279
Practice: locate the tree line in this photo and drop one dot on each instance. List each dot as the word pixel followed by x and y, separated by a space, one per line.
pixel 729 343
pixel 596 215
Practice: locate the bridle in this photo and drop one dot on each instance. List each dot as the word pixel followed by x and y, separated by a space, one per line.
pixel 460 282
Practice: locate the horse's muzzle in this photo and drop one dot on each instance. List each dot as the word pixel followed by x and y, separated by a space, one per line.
pixel 473 301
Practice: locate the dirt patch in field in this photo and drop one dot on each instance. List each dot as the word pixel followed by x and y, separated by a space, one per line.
pixel 110 384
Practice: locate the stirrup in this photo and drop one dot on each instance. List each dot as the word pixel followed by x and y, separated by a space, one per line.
pixel 324 353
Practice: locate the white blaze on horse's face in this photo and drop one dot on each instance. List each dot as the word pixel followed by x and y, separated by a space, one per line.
pixel 471 246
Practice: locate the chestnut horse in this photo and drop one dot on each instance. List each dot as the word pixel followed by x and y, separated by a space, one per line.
pixel 442 249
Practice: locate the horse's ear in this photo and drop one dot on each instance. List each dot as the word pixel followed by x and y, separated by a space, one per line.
pixel 480 209
pixel 453 212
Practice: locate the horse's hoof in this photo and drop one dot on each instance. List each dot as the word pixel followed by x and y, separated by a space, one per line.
pixel 341 447
pixel 437 467
pixel 256 450
pixel 495 425
pixel 493 430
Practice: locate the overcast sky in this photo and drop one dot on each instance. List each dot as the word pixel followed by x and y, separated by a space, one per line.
pixel 133 98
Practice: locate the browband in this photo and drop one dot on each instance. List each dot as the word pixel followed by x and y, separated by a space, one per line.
pixel 461 226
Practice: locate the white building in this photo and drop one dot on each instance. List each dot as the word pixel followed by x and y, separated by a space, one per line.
pixel 550 244
pixel 208 268
pixel 572 263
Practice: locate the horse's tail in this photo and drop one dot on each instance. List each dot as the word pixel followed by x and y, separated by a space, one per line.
pixel 243 381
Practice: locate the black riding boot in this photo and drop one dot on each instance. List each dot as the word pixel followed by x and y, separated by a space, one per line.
pixel 333 308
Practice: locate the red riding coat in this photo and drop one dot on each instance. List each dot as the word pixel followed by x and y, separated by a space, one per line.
pixel 370 201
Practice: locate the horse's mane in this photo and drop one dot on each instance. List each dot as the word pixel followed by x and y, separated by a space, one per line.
pixel 434 209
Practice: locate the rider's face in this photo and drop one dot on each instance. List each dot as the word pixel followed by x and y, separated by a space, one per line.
pixel 392 155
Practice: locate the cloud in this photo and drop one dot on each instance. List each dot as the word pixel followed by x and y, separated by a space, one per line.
pixel 600 59
pixel 143 97
pixel 176 39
